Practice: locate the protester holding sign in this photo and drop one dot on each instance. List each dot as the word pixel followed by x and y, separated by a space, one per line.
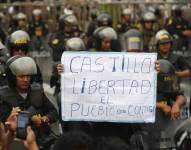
pixel 105 39
pixel 89 94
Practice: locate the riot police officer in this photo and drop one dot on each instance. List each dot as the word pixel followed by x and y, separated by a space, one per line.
pixel 164 43
pixel 170 101
pixel 57 40
pixel 179 28
pixel 106 39
pixel 4 55
pixel 93 24
pixel 73 44
pixel 91 28
pixel 29 97
pixel 37 21
pixel 125 25
pixel 21 22
pixel 104 19
pixel 19 44
pixel 148 31
pixel 126 21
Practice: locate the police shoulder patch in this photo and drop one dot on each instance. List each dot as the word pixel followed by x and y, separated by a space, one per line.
pixel 55 41
pixel 170 21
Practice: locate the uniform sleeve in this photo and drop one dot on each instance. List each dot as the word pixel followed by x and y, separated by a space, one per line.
pixel 182 64
pixel 4 111
pixel 49 110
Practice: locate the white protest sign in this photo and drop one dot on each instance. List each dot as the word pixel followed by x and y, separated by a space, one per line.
pixel 108 86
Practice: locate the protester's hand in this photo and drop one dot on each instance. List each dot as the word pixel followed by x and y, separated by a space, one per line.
pixel 7 137
pixel 164 107
pixel 45 119
pixel 30 142
pixel 11 122
pixel 175 111
pixel 157 66
pixel 37 120
pixel 60 68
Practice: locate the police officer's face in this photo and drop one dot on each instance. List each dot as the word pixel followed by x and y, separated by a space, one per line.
pixel 165 47
pixel 106 44
pixel 21 22
pixel 148 25
pixel 23 82
pixel 19 52
pixel 127 18
pixel 68 28
pixel 37 18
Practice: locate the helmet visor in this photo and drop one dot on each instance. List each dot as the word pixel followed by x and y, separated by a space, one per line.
pixel 133 44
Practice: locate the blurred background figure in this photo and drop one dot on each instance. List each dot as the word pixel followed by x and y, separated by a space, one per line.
pixel 21 22
pixel 37 21
pixel 179 28
pixel 91 28
pixel 125 24
pixel 2 32
pixel 57 39
pixel 104 19
pixel 148 31
pixel 126 21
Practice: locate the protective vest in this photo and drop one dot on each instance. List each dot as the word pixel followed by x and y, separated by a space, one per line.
pixel 32 103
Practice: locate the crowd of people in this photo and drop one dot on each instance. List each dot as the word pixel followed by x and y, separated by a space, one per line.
pixel 21 79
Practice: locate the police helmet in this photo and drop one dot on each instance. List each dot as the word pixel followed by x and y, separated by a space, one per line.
pixel 19 40
pixel 68 11
pixel 75 44
pixel 149 16
pixel 133 40
pixel 14 67
pixel 94 14
pixel 151 9
pixel 163 36
pixel 158 10
pixel 167 81
pixel 67 19
pixel 105 32
pixel 11 10
pixel 21 16
pixel 37 12
pixel 176 10
pixel 104 19
pixel 126 12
